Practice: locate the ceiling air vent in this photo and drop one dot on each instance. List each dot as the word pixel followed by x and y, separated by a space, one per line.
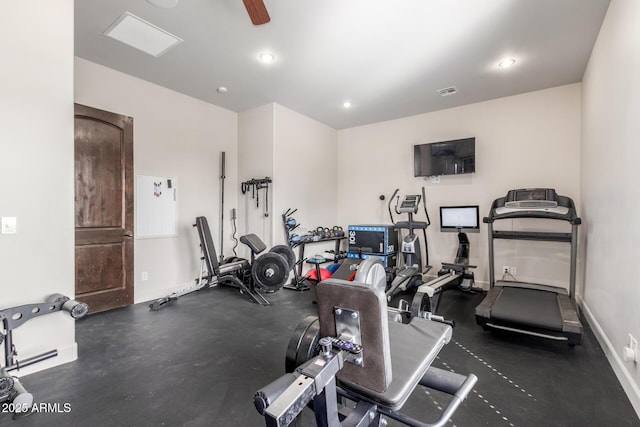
pixel 447 91
pixel 140 34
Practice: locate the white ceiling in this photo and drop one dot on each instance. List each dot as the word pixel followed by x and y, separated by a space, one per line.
pixel 388 57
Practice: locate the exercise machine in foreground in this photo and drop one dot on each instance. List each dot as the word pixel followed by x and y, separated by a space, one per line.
pixel 12 392
pixel 534 309
pixel 413 262
pixel 457 274
pixel 267 272
pixel 365 357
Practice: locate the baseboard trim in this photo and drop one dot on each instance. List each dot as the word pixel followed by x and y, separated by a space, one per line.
pixel 619 367
pixel 154 294
pixel 65 355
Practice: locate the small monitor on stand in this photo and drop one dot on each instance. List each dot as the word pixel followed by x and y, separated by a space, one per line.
pixel 460 219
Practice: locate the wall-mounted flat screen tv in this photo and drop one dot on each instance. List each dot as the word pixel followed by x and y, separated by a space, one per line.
pixel 453 157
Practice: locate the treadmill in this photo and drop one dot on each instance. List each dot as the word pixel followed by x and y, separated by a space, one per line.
pixel 529 308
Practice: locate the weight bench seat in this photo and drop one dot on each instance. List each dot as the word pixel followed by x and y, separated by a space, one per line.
pixel 413 348
pixel 396 356
pixel 209 250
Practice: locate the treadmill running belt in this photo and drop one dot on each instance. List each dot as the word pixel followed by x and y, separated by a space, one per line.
pixel 528 307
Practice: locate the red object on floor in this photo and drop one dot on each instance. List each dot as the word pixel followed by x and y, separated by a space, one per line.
pixel 324 274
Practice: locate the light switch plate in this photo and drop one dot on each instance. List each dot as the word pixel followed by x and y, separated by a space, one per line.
pixel 8 225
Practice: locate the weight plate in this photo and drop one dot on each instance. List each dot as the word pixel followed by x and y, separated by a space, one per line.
pixel 6 387
pixel 287 253
pixel 421 303
pixel 270 271
pixel 303 344
pixel 79 310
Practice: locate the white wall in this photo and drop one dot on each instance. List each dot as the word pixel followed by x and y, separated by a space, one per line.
pixel 36 170
pixel 299 154
pixel 528 140
pixel 255 160
pixel 174 136
pixel 306 171
pixel 610 177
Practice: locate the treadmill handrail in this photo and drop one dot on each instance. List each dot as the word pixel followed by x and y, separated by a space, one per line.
pixel 417 225
pixel 543 236
pixel 572 238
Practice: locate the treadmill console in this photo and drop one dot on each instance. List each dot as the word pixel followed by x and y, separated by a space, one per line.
pixel 409 204
pixel 532 199
pixel 527 198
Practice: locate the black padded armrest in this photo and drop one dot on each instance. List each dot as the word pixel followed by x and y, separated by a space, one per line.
pixel 255 244
pixel 371 304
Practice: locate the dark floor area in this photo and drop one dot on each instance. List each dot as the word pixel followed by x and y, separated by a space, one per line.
pixel 199 361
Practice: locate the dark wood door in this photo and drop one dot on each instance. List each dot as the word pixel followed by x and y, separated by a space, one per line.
pixel 104 208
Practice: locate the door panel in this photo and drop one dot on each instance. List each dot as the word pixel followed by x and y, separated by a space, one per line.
pixel 91 276
pixel 103 208
pixel 98 162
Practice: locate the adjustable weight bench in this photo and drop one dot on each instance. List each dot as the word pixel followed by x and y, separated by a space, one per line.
pixel 227 273
pixel 213 273
pixel 366 359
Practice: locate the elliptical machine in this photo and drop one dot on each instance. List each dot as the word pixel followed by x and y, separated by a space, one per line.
pixel 408 275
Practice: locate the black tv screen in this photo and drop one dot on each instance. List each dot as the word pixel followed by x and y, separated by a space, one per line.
pixel 453 157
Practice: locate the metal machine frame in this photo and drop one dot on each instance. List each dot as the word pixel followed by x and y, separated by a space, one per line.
pixel 455 275
pixel 10 387
pixel 503 307
pixel 415 263
pixel 269 271
pixel 369 360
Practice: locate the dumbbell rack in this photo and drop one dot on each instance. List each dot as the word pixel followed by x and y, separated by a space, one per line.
pixel 298 281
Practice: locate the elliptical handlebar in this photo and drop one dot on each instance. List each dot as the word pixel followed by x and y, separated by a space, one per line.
pixel 389 206
pixel 424 205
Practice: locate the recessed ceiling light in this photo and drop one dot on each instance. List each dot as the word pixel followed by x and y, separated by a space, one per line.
pixel 221 89
pixel 165 4
pixel 138 33
pixel 267 57
pixel 346 104
pixel 506 63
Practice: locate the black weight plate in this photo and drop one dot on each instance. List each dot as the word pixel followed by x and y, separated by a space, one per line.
pixel 287 253
pixel 270 271
pixel 303 344
pixel 6 387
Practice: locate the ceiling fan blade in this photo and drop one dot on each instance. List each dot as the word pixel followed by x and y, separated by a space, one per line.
pixel 257 11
